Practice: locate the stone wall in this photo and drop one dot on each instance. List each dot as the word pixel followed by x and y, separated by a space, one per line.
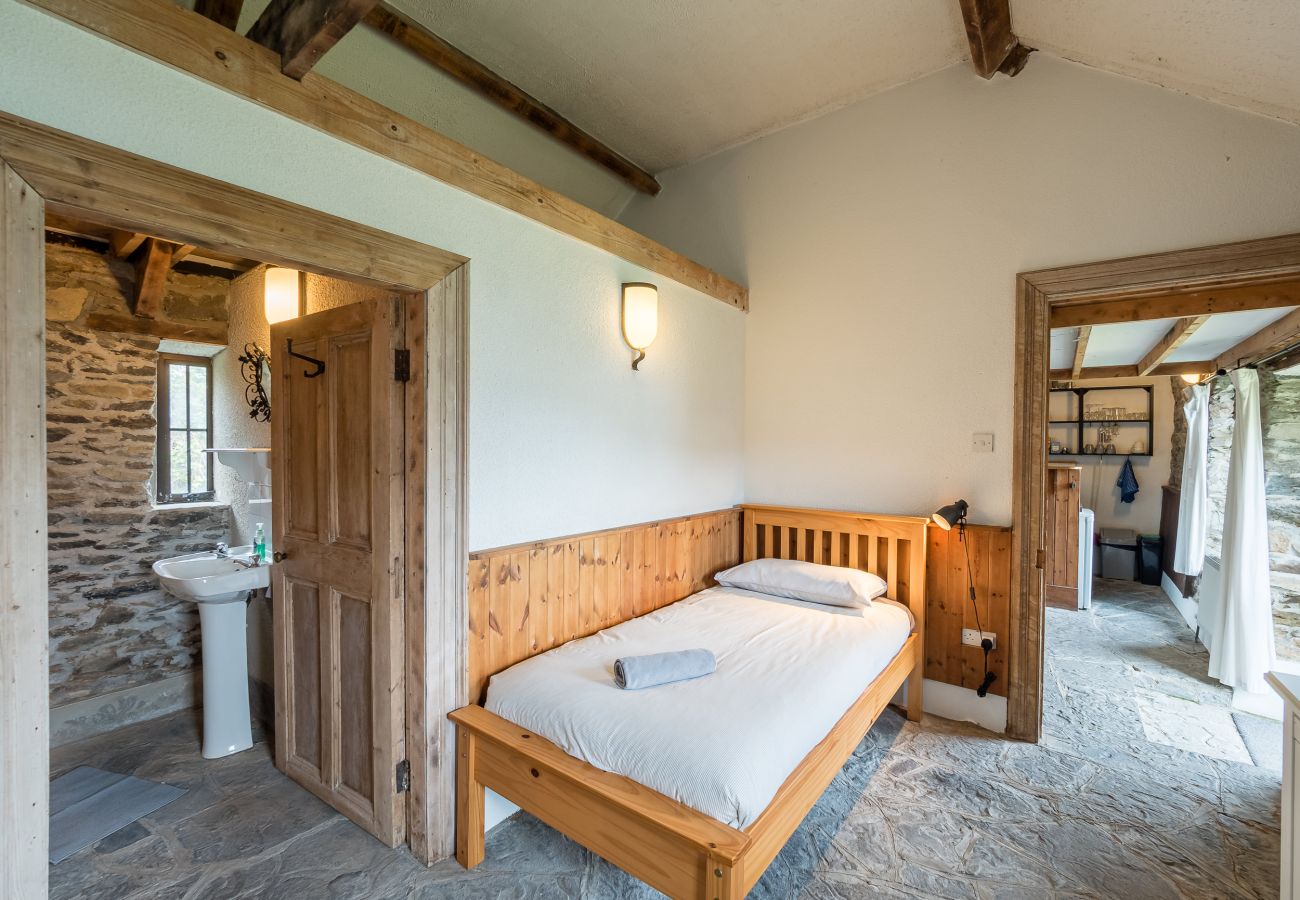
pixel 111 627
pixel 1279 400
pixel 1178 437
pixel 1222 417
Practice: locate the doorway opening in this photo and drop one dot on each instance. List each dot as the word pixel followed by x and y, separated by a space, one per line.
pixel 1084 407
pixel 392 345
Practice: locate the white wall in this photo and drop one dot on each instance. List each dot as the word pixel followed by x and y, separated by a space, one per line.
pixel 563 436
pixel 881 244
pixel 1099 473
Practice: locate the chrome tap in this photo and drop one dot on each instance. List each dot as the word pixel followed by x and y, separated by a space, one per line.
pixel 251 563
pixel 223 550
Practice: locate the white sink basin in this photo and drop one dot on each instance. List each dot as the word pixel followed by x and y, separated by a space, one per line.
pixel 219 585
pixel 207 578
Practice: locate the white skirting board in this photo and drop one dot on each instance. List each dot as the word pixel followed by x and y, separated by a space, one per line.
pixel 944 700
pixel 108 712
pixel 1186 606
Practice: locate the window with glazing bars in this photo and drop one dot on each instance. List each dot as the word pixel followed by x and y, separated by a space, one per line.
pixel 184 429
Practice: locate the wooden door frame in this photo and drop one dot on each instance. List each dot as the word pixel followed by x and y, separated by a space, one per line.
pixel 1122 281
pixel 43 169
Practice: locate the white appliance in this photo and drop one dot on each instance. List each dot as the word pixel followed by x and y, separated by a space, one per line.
pixel 1086 519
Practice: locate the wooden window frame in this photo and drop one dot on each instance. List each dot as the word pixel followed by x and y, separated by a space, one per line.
pixel 43 169
pixel 1124 285
pixel 163 495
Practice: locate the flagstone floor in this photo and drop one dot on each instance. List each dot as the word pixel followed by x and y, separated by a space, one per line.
pixel 1138 790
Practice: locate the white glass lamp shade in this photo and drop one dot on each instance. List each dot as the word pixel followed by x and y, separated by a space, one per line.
pixel 640 314
pixel 282 298
pixel 1192 379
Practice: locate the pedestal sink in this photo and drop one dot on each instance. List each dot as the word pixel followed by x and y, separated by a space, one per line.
pixel 220 584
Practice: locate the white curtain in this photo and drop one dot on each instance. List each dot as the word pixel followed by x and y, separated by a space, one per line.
pixel 1242 649
pixel 1189 548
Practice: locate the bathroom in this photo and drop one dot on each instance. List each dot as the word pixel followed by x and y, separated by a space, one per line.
pixel 123 649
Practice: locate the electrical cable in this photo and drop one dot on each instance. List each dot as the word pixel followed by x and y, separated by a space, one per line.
pixel 985 644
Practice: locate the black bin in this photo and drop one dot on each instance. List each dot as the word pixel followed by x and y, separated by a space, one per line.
pixel 1149 547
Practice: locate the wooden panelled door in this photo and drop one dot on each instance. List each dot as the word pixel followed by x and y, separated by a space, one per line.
pixel 1061 527
pixel 338 588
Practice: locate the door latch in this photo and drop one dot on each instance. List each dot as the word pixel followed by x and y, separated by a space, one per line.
pixel 402 365
pixel 403 781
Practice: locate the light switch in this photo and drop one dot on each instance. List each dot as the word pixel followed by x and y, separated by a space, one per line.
pixel 982 442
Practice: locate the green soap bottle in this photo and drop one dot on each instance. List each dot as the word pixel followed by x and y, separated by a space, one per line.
pixel 259 542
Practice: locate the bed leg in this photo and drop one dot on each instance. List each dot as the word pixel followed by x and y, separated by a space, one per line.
pixel 469 802
pixel 721 881
pixel 916 691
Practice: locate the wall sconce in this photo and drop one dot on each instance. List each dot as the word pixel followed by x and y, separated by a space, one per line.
pixel 283 295
pixel 640 317
pixel 1192 379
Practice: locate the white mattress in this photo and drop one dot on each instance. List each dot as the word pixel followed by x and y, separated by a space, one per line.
pixel 722 744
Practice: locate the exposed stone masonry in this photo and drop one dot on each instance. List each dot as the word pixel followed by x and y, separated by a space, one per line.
pixel 111 627
pixel 1279 401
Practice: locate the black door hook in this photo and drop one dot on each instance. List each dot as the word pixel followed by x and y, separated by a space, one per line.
pixel 319 364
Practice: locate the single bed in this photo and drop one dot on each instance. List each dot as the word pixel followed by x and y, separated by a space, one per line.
pixel 694 787
pixel 786 672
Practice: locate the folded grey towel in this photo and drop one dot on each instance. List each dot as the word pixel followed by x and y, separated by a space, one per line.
pixel 632 673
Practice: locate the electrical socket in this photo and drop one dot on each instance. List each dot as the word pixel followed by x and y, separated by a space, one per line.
pixel 972 638
pixel 982 442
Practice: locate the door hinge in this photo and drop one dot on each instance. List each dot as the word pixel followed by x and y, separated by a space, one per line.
pixel 403 776
pixel 402 365
pixel 1040 562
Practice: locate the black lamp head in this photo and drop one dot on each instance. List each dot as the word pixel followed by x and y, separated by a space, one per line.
pixel 948 516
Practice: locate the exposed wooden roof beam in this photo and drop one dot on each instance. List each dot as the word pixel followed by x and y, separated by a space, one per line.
pixel 469 71
pixel 1174 338
pixel 1200 367
pixel 302 30
pixel 993 45
pixel 1080 350
pixel 1175 306
pixel 1263 343
pixel 123 243
pixel 223 12
pixel 189 43
pixel 153 262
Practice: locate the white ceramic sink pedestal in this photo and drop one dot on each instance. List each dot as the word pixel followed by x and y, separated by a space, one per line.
pixel 220 586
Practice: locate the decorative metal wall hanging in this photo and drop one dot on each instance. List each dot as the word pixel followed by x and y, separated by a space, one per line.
pixel 253 363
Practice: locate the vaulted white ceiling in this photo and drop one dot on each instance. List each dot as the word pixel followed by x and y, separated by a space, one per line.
pixel 666 82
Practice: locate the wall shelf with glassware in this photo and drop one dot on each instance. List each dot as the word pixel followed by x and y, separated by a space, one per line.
pixel 1101 421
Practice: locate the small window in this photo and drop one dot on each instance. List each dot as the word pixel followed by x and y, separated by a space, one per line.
pixel 184 429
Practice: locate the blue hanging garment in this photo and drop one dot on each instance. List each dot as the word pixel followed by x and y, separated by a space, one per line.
pixel 1127 483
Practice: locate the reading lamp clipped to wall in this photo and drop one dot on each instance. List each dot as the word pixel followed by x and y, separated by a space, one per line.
pixel 948 517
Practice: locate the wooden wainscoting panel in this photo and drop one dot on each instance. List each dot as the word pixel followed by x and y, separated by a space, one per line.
pixel 949 607
pixel 528 598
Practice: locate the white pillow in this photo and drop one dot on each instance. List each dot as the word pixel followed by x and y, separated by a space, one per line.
pixel 813 582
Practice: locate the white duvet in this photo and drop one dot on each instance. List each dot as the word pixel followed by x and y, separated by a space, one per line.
pixel 722 744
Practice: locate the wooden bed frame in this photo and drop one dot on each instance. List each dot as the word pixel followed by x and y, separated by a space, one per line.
pixel 671 847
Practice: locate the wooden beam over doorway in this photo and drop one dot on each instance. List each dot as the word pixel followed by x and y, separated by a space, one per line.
pixel 1199 367
pixel 1207 302
pixel 994 47
pixel 1173 339
pixel 469 71
pixel 300 31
